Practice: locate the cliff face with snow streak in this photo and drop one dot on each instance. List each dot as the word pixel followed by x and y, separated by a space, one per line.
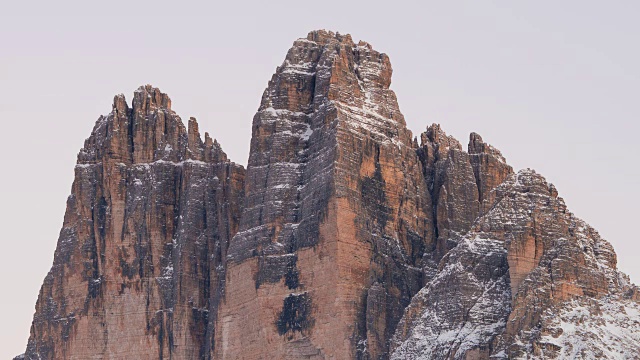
pixel 528 280
pixel 337 217
pixel 139 267
pixel 345 237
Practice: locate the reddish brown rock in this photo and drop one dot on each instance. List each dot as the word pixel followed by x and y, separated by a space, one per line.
pixel 451 181
pixel 525 262
pixel 139 266
pixel 337 217
pixel 490 168
pixel 345 239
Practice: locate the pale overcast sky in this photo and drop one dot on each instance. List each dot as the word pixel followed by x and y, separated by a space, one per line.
pixel 553 84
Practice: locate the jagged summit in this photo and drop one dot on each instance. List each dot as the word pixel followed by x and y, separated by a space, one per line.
pixel 478 146
pixel 335 207
pixel 148 95
pixel 145 97
pixel 337 71
pixel 147 131
pixel 324 37
pixel 500 288
pixel 344 238
pixel 144 240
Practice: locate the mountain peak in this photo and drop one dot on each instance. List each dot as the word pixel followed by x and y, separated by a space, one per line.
pixel 148 131
pixel 343 239
pixel 148 96
pixel 120 104
pixel 325 37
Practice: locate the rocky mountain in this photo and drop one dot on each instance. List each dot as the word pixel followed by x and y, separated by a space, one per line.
pixel 344 238
pixel 139 267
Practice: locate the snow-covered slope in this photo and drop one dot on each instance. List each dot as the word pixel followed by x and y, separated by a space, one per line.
pixel 529 281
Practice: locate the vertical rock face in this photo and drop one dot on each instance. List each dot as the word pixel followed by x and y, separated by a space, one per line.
pixel 460 185
pixel 337 215
pixel 345 239
pixel 139 266
pixel 452 184
pixel 490 169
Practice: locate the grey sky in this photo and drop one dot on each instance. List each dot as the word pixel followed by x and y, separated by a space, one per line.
pixel 553 85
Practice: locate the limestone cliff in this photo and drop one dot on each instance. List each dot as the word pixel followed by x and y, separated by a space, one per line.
pixel 345 238
pixel 337 214
pixel 139 267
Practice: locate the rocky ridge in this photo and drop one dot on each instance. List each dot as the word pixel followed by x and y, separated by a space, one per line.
pixel 499 292
pixel 345 237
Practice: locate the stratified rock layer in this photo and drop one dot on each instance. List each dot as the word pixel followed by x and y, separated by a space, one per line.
pixel 344 239
pixel 337 214
pixel 139 266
